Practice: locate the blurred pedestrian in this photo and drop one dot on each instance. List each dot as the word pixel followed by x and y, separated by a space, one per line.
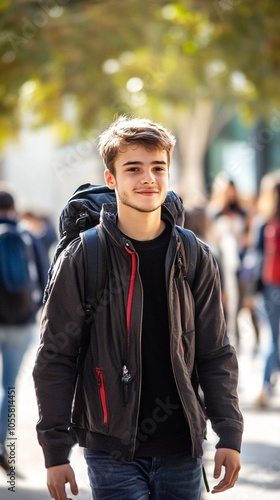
pixel 23 276
pixel 269 244
pixel 42 227
pixel 198 221
pixel 230 229
pixel 136 409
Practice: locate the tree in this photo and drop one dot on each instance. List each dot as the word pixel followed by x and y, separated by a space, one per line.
pixel 176 62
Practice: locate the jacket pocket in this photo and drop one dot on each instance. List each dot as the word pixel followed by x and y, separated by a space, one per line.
pixel 102 393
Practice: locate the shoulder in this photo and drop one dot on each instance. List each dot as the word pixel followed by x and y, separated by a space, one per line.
pixel 74 249
pixel 189 236
pixel 197 250
pixel 69 263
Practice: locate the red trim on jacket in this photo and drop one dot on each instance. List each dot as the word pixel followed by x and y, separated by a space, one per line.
pixel 131 290
pixel 102 393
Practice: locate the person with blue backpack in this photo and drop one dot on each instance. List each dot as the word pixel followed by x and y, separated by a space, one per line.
pixel 121 370
pixel 23 276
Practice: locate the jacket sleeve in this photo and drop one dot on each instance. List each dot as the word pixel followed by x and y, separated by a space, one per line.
pixel 55 366
pixel 216 359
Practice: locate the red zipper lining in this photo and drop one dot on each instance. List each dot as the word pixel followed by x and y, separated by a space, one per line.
pixel 102 393
pixel 130 292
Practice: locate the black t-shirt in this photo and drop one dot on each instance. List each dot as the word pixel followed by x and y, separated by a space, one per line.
pixel 162 427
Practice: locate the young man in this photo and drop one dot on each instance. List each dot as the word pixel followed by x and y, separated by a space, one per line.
pixel 136 412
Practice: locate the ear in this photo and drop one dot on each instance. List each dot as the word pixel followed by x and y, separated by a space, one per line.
pixel 109 179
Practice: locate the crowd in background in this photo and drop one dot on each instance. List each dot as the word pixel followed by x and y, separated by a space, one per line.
pixel 245 238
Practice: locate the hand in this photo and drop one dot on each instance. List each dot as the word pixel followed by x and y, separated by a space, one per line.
pixel 57 477
pixel 230 459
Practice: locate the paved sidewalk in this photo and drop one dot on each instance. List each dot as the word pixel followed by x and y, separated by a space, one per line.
pixel 260 475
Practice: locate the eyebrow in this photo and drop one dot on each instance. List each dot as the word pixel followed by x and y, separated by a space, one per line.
pixel 138 162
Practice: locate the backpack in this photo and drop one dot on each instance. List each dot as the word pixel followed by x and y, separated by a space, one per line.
pixel 18 275
pixel 80 216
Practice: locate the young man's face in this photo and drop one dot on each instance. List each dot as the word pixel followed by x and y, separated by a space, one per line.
pixel 141 178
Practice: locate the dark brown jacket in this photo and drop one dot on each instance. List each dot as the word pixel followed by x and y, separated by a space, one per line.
pixel 101 410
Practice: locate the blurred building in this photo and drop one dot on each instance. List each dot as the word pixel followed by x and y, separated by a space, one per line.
pixel 246 152
pixel 45 174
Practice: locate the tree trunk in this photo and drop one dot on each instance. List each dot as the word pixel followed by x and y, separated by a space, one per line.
pixel 192 132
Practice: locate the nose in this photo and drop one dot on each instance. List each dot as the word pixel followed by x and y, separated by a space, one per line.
pixel 148 177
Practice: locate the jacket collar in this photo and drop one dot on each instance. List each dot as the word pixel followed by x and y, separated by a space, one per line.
pixel 108 219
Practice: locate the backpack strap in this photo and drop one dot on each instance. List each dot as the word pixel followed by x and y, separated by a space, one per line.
pixel 95 258
pixel 190 255
pixel 95 252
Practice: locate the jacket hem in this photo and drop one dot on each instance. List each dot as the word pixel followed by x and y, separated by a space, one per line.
pixel 109 444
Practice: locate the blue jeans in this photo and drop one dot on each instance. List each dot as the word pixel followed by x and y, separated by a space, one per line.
pixel 272 304
pixel 177 477
pixel 14 341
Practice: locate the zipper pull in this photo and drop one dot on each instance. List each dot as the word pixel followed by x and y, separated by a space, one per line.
pixel 126 377
pixel 180 268
pixel 178 265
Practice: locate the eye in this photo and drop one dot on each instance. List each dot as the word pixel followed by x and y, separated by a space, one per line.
pixel 133 169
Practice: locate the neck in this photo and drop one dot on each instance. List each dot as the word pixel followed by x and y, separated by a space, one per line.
pixel 141 226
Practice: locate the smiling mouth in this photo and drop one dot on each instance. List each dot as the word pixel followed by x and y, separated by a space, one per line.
pixel 147 192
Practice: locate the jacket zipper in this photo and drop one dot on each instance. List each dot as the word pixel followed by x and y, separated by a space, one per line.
pixel 126 376
pixel 128 325
pixel 130 292
pixel 102 393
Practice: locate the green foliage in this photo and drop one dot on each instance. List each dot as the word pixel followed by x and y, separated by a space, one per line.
pixel 77 64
